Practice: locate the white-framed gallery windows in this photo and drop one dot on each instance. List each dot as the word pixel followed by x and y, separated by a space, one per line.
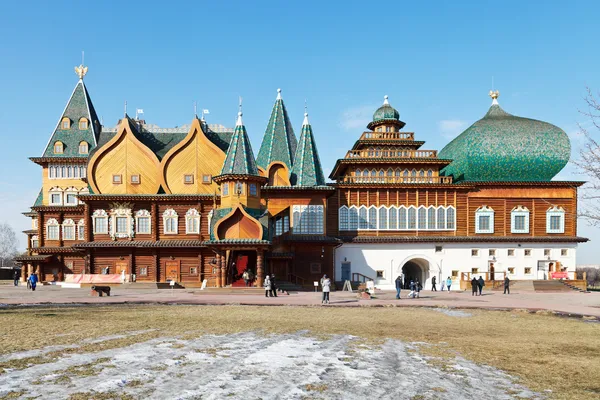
pixel 519 220
pixel 142 222
pixel 52 229
pixel 68 229
pixel 66 171
pixel 396 218
pixel 100 221
pixel 484 220
pixel 308 219
pixel 555 220
pixel 343 219
pixel 170 221
pixel 192 221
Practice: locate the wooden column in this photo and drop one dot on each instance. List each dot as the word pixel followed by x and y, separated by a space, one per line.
pixel 41 226
pixel 218 277
pixel 61 218
pixel 259 268
pixel 132 268
pixel 156 265
pixel 223 271
pixel 87 230
pixel 154 213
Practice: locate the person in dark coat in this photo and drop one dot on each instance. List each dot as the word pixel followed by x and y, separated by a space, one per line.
pixel 398 286
pixel 412 289
pixel 433 282
pixel 273 286
pixel 418 288
pixel 506 285
pixel 474 286
pixel 16 277
pixel 33 279
pixel 481 284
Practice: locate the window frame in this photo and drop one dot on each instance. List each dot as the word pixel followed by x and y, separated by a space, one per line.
pixel 70 225
pixel 52 223
pixel 192 220
pixel 554 212
pixel 170 215
pixel 143 214
pixel 117 179
pixel 484 211
pixel 96 216
pixel 84 121
pixel 86 150
pixel 81 230
pixel 519 211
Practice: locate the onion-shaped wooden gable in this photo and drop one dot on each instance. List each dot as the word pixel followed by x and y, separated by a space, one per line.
pixel 190 165
pixel 238 224
pixel 124 165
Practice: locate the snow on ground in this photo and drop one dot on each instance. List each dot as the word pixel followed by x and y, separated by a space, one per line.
pixel 254 366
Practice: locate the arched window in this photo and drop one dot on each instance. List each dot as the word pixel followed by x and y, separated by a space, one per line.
pixel 422 220
pixel 353 218
pixel 52 229
pixel 405 176
pixel 192 221
pixel 430 176
pixel 383 218
pixel 373 173
pixel 412 218
pixel 65 123
pixel 372 217
pixel 371 152
pixel 431 218
pixel 519 218
pixel 555 220
pixel 402 218
pixel 35 241
pixel 343 218
pixel 68 229
pixel 58 147
pixel 81 229
pixel 390 172
pixel 441 218
pixel 71 196
pixel 484 220
pixel 100 221
pixel 56 196
pixel 450 218
pixel 83 124
pixel 397 172
pixel 170 221
pixel 393 218
pixel 83 148
pixel 142 222
pixel 362 218
pixel 358 172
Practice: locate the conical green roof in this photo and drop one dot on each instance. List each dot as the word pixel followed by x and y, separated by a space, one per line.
pixel 307 169
pixel 240 158
pixel 79 106
pixel 503 147
pixel 279 142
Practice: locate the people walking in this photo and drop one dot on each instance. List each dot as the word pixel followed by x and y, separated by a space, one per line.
pixel 246 278
pixel 273 286
pixel 474 286
pixel 398 286
pixel 267 285
pixel 481 284
pixel 448 283
pixel 326 287
pixel 411 286
pixel 433 289
pixel 16 277
pixel 418 288
pixel 506 285
pixel 33 280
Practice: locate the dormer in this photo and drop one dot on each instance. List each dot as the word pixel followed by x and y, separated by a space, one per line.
pixel 65 123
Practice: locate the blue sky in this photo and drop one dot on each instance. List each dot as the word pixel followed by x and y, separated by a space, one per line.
pixel 434 59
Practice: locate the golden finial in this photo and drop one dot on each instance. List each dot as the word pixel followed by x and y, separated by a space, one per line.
pixel 81 71
pixel 494 94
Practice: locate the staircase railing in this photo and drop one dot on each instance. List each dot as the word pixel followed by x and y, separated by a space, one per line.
pixel 297 280
pixel 358 277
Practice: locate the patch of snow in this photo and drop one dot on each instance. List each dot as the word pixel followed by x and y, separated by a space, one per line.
pixel 452 313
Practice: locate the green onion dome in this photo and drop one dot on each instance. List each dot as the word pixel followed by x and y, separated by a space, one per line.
pixel 503 147
pixel 385 114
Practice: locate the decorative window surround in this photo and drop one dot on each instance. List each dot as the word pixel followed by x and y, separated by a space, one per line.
pixel 56 196
pixel 68 229
pixel 59 148
pixel 83 124
pixel 52 229
pixel 71 196
pixel 81 230
pixel 143 222
pixel 170 221
pixel 396 218
pixel 35 241
pixel 192 221
pixel 484 220
pixel 519 220
pixel 100 221
pixel 83 148
pixel 555 220
pixel 121 221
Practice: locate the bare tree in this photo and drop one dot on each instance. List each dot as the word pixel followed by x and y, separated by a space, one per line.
pixel 588 163
pixel 8 244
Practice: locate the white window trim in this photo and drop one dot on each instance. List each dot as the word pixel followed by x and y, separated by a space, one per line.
pixel 59 191
pixel 69 191
pixel 342 227
pixel 308 211
pixel 100 214
pixel 120 213
pixel 519 211
pixel 555 212
pixel 81 224
pixel 143 214
pixel 52 222
pixel 399 220
pixel 190 215
pixel 69 223
pixel 484 211
pixel 170 214
pixel 35 238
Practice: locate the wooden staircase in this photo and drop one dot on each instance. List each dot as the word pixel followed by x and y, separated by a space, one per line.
pixel 550 286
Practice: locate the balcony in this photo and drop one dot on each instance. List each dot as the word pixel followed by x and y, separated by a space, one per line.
pixel 388 136
pixel 387 180
pixel 379 153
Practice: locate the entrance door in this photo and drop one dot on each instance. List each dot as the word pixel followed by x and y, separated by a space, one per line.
pixel 238 268
pixel 172 270
pixel 121 266
pixel 346 271
pixel 492 272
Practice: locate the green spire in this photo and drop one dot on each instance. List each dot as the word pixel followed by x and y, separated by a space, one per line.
pixel 240 158
pixel 79 106
pixel 279 142
pixel 307 169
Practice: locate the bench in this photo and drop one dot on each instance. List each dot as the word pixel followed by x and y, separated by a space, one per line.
pixel 100 290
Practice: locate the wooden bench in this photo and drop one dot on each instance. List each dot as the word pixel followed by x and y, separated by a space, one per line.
pixel 100 290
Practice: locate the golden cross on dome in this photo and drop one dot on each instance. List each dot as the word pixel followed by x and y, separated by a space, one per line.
pixel 494 94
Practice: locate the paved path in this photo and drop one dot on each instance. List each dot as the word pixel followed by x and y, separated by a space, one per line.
pixel 568 303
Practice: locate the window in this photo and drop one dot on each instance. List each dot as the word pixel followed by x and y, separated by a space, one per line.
pixel 83 148
pixel 83 124
pixel 170 220
pixel 438 249
pixel 35 241
pixel 239 188
pixel 100 221
pixel 372 218
pixel 393 218
pixel 450 218
pixel 362 218
pixel 380 274
pixel 555 220
pixel 441 218
pixel 474 270
pixel 527 270
pixel 56 196
pixel 116 179
pixel 58 148
pixel 564 252
pixel 135 179
pixel 492 253
pixel 143 271
pixel 34 223
pixel 71 197
pixel 188 179
pixel 412 218
pixel 206 179
pixel 308 219
pixel 511 270
pixel 422 220
pixel 484 220
pixel 402 218
pixel 81 230
pixel 431 218
pixel 383 218
pixel 142 222
pixel 253 190
pixel 68 229
pixel 353 218
pixel 52 229
pixel 527 252
pixel 192 221
pixel 519 220
pixel 454 273
pixel 315 268
pixel 65 123
pixel 121 225
pixel 225 190
pixel 546 252
pixel 343 218
pixel 475 253
pixel 511 252
pixel 194 271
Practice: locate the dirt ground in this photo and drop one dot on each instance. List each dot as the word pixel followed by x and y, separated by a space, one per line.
pixel 191 352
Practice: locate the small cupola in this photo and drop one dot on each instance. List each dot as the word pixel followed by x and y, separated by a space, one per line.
pixel 386 115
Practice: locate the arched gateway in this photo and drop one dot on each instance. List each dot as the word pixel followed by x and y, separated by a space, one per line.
pixel 418 267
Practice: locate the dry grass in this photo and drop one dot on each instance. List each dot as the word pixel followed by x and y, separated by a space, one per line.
pixel 545 351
